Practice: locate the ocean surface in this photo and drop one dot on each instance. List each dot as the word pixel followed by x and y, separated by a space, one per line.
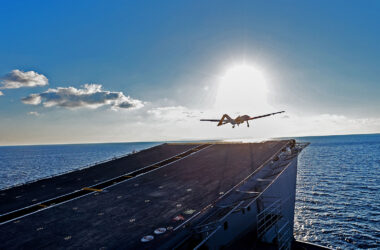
pixel 20 164
pixel 338 192
pixel 338 185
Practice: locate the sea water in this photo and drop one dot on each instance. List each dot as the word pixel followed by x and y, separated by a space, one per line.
pixel 20 164
pixel 338 192
pixel 338 183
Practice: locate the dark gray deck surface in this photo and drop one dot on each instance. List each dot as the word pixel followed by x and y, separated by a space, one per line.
pixel 32 193
pixel 119 217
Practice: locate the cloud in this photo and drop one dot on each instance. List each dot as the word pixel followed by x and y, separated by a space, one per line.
pixel 33 99
pixel 1 93
pixel 34 113
pixel 90 96
pixel 19 79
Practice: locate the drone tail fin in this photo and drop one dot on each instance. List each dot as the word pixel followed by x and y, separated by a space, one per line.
pixel 222 122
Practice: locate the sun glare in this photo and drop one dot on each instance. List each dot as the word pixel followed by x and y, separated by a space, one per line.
pixel 242 88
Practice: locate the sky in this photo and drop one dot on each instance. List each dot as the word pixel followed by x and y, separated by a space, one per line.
pixel 101 71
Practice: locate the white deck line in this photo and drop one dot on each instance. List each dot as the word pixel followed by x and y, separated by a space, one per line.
pixel 51 206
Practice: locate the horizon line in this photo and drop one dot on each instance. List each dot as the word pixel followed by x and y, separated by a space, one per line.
pixel 180 140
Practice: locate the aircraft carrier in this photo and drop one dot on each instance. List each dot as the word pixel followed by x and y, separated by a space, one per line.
pixel 172 196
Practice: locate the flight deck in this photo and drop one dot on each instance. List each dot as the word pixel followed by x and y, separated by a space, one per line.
pixel 169 196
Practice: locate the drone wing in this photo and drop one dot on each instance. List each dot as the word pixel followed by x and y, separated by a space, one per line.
pixel 210 120
pixel 262 116
pixel 222 122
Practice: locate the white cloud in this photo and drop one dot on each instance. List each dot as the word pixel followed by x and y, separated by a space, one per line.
pixel 33 99
pixel 90 96
pixel 18 79
pixel 34 113
pixel 1 93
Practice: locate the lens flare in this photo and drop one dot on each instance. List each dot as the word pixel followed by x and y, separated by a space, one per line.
pixel 242 88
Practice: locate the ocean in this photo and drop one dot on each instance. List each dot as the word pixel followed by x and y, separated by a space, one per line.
pixel 338 192
pixel 338 185
pixel 20 164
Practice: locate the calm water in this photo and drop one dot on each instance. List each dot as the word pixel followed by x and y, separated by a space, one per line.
pixel 20 164
pixel 338 192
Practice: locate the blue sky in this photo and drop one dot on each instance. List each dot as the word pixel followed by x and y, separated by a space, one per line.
pixel 320 60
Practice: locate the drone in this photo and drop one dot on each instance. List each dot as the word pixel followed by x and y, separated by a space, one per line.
pixel 238 120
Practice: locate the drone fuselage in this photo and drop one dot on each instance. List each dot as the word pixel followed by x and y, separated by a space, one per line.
pixel 239 120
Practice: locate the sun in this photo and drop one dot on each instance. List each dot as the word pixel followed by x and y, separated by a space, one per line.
pixel 242 87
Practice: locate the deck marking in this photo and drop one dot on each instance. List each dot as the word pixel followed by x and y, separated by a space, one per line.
pixel 186 221
pixel 160 230
pixel 189 211
pixel 92 189
pixel 77 194
pixel 179 218
pixel 147 238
